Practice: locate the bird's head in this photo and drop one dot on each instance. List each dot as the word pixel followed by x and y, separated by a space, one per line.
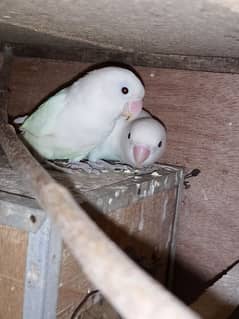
pixel 145 142
pixel 121 90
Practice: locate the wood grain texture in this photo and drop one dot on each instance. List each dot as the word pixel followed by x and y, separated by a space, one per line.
pixel 201 112
pixel 206 28
pixel 73 284
pixel 11 298
pixel 107 191
pixel 142 230
pixel 41 78
pixel 13 246
pixel 69 50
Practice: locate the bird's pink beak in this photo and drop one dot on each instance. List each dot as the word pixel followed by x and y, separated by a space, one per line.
pixel 132 109
pixel 141 153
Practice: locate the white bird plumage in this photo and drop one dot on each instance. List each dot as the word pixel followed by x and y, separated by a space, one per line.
pixel 76 119
pixel 139 143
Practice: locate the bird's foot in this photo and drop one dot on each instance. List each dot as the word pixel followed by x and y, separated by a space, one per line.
pixel 68 166
pixel 85 166
pixel 114 166
pixel 89 167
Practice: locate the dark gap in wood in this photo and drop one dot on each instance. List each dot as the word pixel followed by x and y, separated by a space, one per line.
pixel 78 51
pixel 4 81
pixel 221 274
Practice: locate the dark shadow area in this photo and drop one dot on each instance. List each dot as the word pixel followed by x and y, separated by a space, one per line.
pixel 148 257
pixel 188 285
pixel 235 314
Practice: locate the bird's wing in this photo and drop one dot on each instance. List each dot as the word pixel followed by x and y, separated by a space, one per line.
pixel 42 121
pixel 109 149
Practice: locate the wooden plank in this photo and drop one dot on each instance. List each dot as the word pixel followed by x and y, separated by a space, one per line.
pixel 11 298
pixel 13 246
pixel 80 51
pixel 73 284
pixel 201 113
pixel 221 299
pixel 77 182
pixel 108 190
pixel 40 79
pixel 142 230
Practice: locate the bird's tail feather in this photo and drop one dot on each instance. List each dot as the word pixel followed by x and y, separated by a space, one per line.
pixel 19 120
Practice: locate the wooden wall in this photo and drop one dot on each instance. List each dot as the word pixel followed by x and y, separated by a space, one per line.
pixel 201 112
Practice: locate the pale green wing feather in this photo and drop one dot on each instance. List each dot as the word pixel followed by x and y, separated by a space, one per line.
pixel 46 147
pixel 42 121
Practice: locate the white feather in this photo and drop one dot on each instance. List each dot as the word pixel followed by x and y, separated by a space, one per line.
pixel 144 130
pixel 72 122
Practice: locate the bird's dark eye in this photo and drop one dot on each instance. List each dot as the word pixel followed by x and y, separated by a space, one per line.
pixel 125 90
pixel 129 135
pixel 160 144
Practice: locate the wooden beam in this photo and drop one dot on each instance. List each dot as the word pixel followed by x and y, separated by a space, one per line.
pixel 63 49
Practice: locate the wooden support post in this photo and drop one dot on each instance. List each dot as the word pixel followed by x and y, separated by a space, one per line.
pixel 131 291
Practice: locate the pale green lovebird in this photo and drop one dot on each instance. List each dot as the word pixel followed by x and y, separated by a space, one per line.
pixel 75 120
pixel 138 143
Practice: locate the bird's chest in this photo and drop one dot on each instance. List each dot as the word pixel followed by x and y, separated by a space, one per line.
pixel 84 129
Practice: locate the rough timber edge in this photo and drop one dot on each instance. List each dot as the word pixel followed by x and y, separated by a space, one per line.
pixel 135 188
pixel 24 213
pixel 67 50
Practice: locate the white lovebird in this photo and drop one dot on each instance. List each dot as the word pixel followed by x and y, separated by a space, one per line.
pixel 73 121
pixel 139 143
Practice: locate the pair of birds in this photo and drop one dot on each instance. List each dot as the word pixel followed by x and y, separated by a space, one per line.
pixel 99 116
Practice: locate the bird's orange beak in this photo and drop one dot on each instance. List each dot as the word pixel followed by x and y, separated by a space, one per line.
pixel 132 109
